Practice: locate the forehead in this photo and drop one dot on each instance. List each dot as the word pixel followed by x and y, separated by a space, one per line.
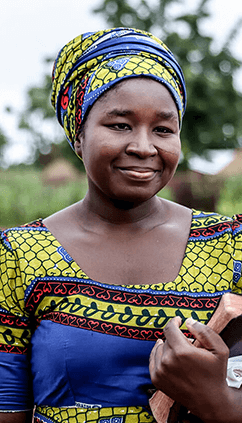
pixel 138 92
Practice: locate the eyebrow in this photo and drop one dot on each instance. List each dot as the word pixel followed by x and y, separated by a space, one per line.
pixel 167 115
pixel 118 112
pixel 159 115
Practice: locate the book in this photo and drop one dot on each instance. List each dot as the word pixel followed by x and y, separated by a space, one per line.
pixel 227 321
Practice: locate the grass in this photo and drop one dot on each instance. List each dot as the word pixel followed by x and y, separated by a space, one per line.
pixel 24 197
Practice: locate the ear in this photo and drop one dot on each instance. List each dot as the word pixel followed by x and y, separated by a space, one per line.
pixel 78 145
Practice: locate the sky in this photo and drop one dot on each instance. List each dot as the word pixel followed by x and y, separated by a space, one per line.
pixel 31 30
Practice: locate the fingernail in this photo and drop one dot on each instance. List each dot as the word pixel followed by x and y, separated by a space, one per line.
pixel 191 321
pixel 159 341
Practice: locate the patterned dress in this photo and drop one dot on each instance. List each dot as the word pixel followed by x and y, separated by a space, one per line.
pixel 79 349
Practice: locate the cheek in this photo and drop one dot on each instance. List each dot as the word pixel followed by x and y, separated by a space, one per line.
pixel 99 149
pixel 96 158
pixel 175 148
pixel 171 153
pixel 176 154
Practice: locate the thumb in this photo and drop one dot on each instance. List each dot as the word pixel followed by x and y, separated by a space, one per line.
pixel 159 343
pixel 206 337
pixel 157 350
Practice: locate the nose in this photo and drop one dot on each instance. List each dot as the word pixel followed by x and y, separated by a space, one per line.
pixel 141 145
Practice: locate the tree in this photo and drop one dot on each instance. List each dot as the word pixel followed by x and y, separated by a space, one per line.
pixel 213 115
pixel 214 107
pixel 47 140
pixel 3 143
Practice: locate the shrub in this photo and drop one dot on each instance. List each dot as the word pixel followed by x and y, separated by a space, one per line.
pixel 23 196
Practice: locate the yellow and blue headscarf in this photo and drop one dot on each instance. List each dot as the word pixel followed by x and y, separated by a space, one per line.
pixel 93 62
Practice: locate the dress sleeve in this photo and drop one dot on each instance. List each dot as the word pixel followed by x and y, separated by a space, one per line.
pixel 237 254
pixel 15 379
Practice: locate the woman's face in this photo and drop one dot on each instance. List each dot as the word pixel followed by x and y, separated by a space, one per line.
pixel 131 143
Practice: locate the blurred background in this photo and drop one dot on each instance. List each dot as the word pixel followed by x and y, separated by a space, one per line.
pixel 39 173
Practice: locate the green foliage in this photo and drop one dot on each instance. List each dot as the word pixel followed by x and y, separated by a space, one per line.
pixel 212 119
pixel 23 196
pixel 3 143
pixel 230 201
pixel 39 114
pixel 142 15
pixel 38 100
pixel 38 120
pixel 166 193
pixel 121 13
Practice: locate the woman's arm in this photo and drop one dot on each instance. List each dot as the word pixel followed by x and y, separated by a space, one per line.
pixel 196 377
pixel 15 334
pixel 18 417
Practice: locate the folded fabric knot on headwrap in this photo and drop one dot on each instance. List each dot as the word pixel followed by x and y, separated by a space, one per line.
pixel 93 62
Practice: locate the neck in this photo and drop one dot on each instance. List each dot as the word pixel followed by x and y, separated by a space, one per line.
pixel 119 212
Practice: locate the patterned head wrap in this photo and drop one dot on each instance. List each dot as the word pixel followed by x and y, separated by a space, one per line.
pixel 93 62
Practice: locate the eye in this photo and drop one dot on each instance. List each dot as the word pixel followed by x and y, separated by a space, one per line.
pixel 120 126
pixel 163 130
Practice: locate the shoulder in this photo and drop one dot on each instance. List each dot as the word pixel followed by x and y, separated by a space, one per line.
pixel 237 223
pixel 63 224
pixel 17 241
pixel 176 213
pixel 207 226
pixel 14 237
pixel 216 221
pixel 18 248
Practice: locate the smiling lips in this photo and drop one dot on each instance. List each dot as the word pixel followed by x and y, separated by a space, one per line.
pixel 142 173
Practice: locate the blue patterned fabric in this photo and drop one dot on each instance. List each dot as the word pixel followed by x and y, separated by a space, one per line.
pixel 92 63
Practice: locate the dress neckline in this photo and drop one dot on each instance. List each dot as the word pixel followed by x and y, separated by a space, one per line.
pixel 119 285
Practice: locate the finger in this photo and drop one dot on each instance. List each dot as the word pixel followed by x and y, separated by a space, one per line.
pixel 206 336
pixel 157 350
pixel 158 344
pixel 173 334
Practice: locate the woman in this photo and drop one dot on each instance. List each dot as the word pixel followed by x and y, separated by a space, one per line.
pixel 87 292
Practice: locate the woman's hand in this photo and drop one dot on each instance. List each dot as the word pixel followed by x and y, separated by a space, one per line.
pixel 196 377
